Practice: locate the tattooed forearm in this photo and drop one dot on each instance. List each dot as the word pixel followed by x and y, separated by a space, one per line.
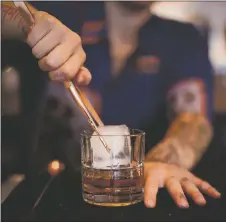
pixel 185 141
pixel 13 25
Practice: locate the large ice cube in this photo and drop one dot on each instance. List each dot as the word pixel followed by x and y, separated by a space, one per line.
pixel 118 142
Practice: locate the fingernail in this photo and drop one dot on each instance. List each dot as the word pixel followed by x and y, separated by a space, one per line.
pixel 184 204
pixel 218 194
pixel 201 200
pixel 151 203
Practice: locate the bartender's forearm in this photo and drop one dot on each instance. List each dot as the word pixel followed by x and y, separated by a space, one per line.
pixel 186 141
pixel 13 25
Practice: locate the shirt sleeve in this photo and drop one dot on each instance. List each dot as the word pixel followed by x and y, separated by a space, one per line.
pixel 190 81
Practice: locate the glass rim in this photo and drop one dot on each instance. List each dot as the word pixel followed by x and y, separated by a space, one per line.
pixel 138 132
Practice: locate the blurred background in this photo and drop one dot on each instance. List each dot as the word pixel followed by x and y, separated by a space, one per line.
pixel 209 17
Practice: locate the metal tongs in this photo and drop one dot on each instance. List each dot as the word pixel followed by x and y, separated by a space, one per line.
pixel 77 95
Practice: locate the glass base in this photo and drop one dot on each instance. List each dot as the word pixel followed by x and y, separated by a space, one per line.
pixel 113 204
pixel 116 201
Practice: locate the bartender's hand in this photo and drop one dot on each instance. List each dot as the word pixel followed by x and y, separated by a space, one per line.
pixel 58 49
pixel 177 181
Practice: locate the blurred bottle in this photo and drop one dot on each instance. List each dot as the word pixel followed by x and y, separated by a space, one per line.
pixel 10 91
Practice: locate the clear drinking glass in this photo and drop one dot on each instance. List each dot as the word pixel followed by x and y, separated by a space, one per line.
pixel 114 179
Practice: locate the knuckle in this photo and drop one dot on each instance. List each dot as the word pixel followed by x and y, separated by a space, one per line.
pixel 184 180
pixel 35 52
pixel 29 39
pixel 205 185
pixel 40 15
pixel 197 194
pixel 181 195
pixel 78 38
pixel 209 188
pixel 170 180
pixel 50 20
pixel 69 37
pixel 41 65
pixel 83 56
pixel 50 62
pixel 61 31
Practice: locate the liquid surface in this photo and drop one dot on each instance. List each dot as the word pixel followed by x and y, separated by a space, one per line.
pixel 116 187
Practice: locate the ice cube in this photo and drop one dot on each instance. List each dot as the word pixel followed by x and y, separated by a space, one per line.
pixel 118 142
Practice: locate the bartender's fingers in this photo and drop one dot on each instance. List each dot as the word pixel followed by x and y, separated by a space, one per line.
pixel 54 58
pixel 83 77
pixel 174 188
pixel 51 42
pixel 52 62
pixel 191 189
pixel 206 188
pixel 44 23
pixel 58 48
pixel 68 70
pixel 151 189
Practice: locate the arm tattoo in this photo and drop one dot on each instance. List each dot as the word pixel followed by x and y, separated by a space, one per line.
pixel 185 141
pixel 190 132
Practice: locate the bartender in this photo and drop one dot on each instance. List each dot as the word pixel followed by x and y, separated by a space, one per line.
pixel 147 72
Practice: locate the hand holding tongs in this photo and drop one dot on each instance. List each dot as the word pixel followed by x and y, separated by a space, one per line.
pixel 87 109
pixel 76 94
